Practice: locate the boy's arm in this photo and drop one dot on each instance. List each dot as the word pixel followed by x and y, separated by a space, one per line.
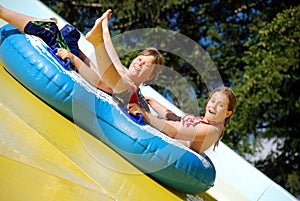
pixel 84 70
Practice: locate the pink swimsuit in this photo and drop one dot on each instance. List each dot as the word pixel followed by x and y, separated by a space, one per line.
pixel 190 120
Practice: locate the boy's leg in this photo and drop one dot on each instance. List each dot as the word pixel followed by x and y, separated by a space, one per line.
pixel 26 24
pixel 18 20
pixel 42 32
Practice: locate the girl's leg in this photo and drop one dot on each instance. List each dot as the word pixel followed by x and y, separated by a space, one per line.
pixel 18 20
pixel 106 68
pixel 95 35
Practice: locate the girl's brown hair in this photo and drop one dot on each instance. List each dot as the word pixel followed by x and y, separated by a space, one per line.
pixel 231 106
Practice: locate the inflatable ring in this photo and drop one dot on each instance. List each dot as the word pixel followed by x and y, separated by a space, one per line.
pixel 29 60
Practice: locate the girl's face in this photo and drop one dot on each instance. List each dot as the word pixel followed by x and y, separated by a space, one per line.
pixel 140 69
pixel 216 108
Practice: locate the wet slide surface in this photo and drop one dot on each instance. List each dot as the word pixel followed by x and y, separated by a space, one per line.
pixel 42 156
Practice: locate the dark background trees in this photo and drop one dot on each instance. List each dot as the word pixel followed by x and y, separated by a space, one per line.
pixel 255 46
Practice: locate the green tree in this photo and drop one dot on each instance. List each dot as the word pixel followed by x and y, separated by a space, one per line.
pixel 271 98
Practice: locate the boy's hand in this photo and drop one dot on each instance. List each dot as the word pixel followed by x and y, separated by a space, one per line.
pixel 64 54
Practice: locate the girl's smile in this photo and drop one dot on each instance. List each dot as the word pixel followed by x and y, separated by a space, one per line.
pixel 216 108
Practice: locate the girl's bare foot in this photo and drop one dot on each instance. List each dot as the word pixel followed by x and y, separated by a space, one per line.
pixel 94 36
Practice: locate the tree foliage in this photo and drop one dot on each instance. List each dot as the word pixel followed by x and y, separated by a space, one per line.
pixel 254 44
pixel 271 78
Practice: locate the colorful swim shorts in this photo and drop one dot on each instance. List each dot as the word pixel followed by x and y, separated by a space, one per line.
pixel 48 31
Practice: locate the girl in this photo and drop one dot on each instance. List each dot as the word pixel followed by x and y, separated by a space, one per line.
pixel 199 131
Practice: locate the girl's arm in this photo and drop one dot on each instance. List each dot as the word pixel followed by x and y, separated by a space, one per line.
pixel 161 110
pixel 170 128
pixel 201 136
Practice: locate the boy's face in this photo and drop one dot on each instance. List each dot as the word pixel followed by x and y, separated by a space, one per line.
pixel 140 69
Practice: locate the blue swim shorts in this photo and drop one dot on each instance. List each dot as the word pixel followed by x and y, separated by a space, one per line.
pixel 48 31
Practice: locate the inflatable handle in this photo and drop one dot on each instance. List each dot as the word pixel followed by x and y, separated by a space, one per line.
pixel 138 119
pixel 65 63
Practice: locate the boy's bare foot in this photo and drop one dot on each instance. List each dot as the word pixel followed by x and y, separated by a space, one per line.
pixel 94 36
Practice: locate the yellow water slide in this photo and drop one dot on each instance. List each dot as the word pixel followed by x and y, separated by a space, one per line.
pixel 42 156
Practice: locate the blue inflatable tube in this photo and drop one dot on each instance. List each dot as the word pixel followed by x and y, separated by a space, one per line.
pixel 31 62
